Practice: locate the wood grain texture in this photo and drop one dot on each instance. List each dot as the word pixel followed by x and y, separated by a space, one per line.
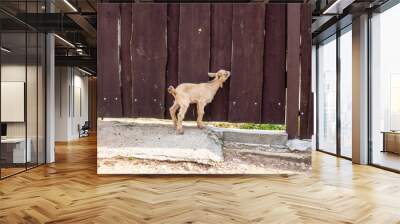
pixel 125 59
pixel 185 41
pixel 221 52
pixel 70 191
pixel 92 105
pixel 149 59
pixel 109 79
pixel 293 70
pixel 173 53
pixel 306 108
pixel 274 84
pixel 194 46
pixel 247 63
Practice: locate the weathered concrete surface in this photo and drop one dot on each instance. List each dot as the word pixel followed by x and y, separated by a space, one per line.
pixel 253 136
pixel 279 157
pixel 299 145
pixel 150 146
pixel 156 140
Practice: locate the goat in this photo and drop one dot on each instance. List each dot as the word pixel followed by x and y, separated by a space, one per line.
pixel 200 94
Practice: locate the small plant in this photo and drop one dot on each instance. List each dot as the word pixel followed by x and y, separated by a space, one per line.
pixel 262 126
pixel 225 125
pixel 278 127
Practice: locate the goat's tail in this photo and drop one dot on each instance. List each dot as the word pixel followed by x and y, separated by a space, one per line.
pixel 172 90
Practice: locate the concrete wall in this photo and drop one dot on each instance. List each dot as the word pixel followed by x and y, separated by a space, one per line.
pixel 50 98
pixel 360 90
pixel 71 102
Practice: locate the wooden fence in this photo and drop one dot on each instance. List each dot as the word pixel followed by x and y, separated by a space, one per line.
pixel 144 48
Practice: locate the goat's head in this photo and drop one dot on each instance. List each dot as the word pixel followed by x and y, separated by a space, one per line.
pixel 221 76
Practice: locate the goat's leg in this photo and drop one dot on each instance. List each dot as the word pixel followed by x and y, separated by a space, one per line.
pixel 172 112
pixel 200 114
pixel 181 116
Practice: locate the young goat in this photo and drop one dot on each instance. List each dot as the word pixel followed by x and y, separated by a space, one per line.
pixel 200 94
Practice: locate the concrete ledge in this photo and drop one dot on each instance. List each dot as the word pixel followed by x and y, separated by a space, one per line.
pixel 151 146
pixel 156 140
pixel 262 137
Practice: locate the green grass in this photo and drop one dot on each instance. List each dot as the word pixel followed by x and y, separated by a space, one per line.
pixel 262 126
pixel 278 127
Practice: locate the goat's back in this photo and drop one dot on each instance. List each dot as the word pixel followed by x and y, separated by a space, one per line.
pixel 196 92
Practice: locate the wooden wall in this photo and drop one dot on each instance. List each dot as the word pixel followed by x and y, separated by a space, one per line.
pixel 144 48
pixel 92 100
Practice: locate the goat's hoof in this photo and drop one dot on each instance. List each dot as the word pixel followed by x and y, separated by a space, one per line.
pixel 201 126
pixel 179 132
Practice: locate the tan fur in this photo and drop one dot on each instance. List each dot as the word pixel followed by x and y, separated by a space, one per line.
pixel 200 94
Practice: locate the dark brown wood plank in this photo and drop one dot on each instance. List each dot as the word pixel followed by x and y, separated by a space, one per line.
pixel 125 55
pixel 221 51
pixel 293 69
pixel 149 58
pixel 274 89
pixel 305 96
pixel 92 103
pixel 245 91
pixel 109 101
pixel 310 129
pixel 194 45
pixel 172 42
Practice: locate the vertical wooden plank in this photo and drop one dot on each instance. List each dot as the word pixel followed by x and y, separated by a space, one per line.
pixel 245 91
pixel 293 69
pixel 149 59
pixel 274 85
pixel 221 51
pixel 305 95
pixel 92 103
pixel 172 42
pixel 194 45
pixel 109 101
pixel 125 55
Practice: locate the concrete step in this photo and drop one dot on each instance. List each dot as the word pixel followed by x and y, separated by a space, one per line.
pixel 154 140
pixel 262 137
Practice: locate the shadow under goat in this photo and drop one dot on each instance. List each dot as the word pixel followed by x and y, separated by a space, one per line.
pixel 200 94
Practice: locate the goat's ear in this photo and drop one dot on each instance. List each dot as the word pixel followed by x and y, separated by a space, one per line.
pixel 211 75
